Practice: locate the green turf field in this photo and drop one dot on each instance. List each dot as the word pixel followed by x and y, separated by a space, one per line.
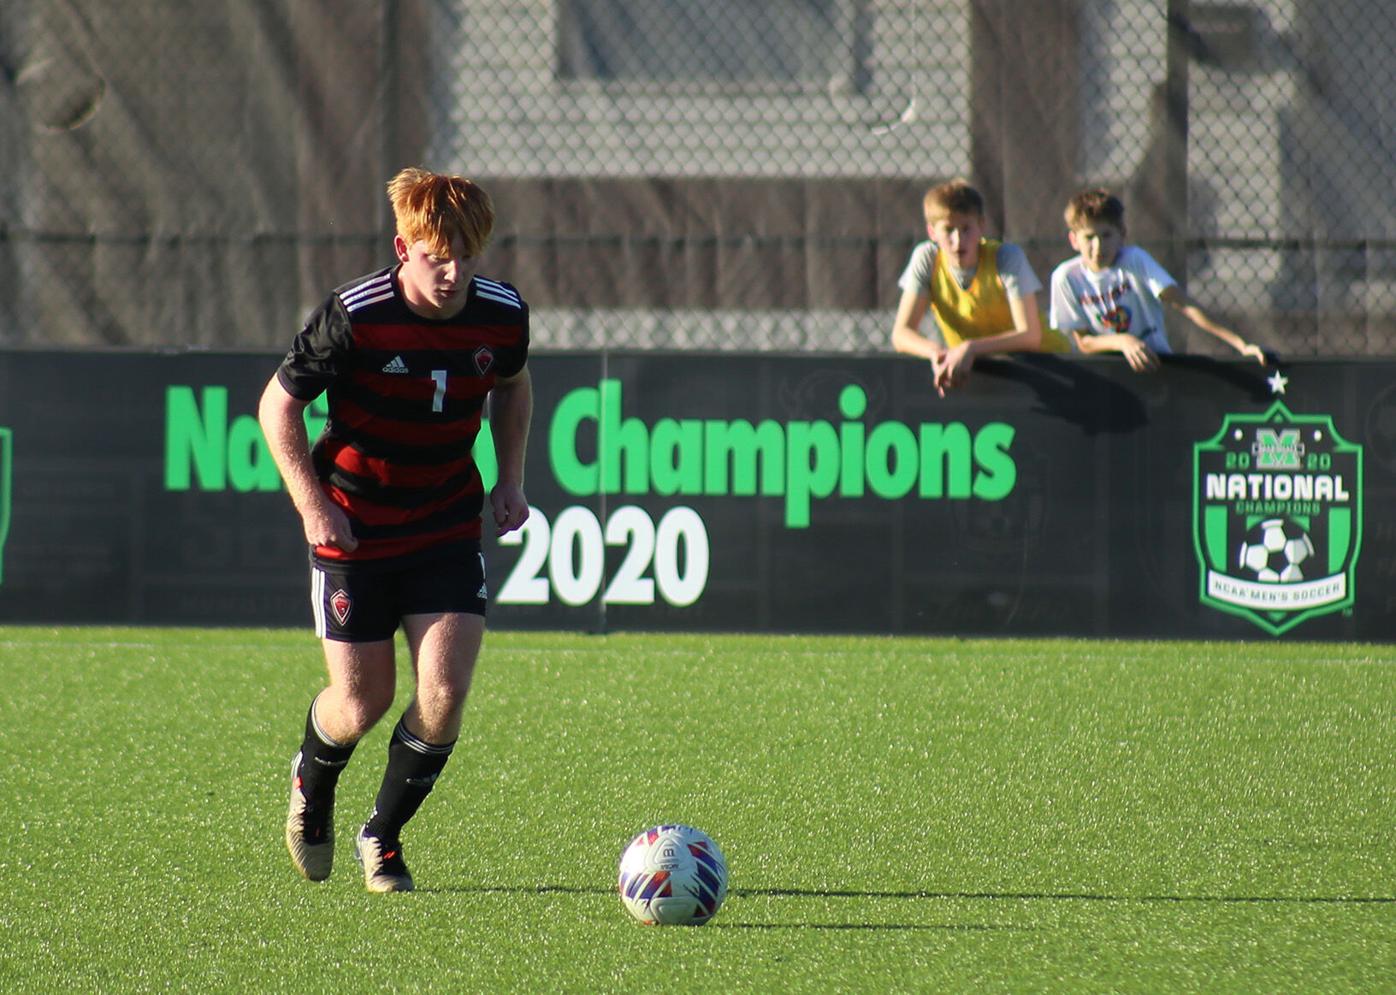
pixel 898 814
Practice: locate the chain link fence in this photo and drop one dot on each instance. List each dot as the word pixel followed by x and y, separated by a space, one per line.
pixel 699 174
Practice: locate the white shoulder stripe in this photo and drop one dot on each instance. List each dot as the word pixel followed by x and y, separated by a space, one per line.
pixel 384 281
pixel 510 301
pixel 363 302
pixel 496 291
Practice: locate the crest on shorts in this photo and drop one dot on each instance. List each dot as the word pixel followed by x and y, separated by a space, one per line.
pixel 1277 517
pixel 484 359
pixel 341 605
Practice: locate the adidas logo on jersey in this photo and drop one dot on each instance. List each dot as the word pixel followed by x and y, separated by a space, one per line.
pixel 396 365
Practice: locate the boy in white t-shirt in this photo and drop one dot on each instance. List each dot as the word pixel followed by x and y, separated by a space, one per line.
pixel 1110 297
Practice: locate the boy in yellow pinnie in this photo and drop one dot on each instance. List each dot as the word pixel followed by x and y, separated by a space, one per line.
pixel 981 291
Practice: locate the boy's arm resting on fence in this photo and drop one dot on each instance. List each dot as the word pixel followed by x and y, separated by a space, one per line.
pixel 1190 309
pixel 906 334
pixel 1139 356
pixel 1024 336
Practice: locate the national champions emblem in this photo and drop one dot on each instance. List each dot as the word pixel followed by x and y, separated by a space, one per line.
pixel 1277 517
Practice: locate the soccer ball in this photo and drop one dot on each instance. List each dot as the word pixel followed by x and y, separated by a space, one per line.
pixel 1276 550
pixel 672 876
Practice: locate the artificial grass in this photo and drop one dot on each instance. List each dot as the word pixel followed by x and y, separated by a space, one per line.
pixel 898 815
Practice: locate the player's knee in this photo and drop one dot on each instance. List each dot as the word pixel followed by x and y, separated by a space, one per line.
pixel 445 696
pixel 366 706
pixel 451 694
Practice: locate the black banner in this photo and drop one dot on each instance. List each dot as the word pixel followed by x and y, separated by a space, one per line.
pixel 757 493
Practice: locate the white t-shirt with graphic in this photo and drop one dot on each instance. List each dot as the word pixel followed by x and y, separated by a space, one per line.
pixel 1123 298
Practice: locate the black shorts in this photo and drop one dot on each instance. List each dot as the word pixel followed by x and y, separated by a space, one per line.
pixel 363 601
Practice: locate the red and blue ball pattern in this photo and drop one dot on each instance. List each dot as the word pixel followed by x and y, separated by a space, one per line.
pixel 672 875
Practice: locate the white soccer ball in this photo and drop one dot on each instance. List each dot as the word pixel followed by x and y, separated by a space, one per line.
pixel 1276 551
pixel 672 876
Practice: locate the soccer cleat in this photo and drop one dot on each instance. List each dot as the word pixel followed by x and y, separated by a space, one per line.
pixel 381 860
pixel 309 833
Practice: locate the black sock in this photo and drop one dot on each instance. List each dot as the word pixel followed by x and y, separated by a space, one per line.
pixel 413 766
pixel 322 760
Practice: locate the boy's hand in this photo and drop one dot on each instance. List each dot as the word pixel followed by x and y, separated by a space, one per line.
pixel 1254 352
pixel 952 368
pixel 1141 358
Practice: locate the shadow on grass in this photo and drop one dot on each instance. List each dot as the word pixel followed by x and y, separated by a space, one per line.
pixel 872 926
pixel 983 896
pixel 1038 896
pixel 552 889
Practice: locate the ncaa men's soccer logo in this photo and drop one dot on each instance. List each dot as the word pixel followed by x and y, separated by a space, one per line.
pixel 1277 517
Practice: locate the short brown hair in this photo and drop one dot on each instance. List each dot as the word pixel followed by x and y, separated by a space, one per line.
pixel 432 208
pixel 1095 205
pixel 954 197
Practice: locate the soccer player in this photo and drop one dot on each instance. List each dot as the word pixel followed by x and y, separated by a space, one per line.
pixel 390 500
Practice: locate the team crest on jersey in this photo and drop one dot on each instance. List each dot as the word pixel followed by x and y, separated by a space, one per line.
pixel 484 360
pixel 341 605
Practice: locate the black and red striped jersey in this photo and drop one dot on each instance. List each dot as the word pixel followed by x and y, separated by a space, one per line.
pixel 406 395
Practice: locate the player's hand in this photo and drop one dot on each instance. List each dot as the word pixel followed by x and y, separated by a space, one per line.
pixel 510 507
pixel 1254 352
pixel 1141 358
pixel 328 525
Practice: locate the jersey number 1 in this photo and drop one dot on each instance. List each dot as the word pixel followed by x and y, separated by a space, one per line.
pixel 438 400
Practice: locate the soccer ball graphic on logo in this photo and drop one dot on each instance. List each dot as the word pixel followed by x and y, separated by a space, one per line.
pixel 1276 550
pixel 672 876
